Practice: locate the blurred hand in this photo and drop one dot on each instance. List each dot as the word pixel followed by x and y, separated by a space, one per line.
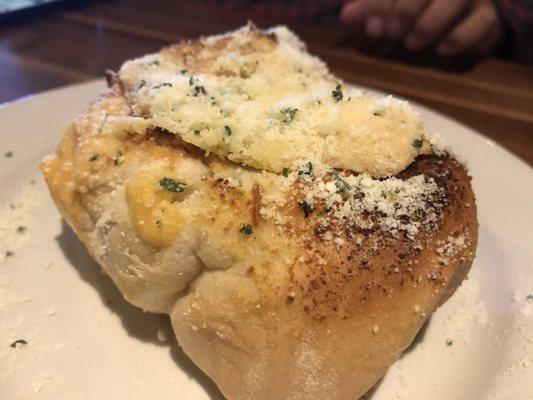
pixel 452 26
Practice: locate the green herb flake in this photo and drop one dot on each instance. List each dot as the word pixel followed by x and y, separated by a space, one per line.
pixel 307 169
pixel 306 207
pixel 164 84
pixel 337 93
pixel 247 229
pixel 289 114
pixel 377 113
pixel 94 157
pixel 449 342
pixel 197 132
pixel 529 297
pixel 155 62
pixel 21 229
pixel 159 223
pixel 228 130
pixel 417 143
pixel 198 90
pixel 285 171
pixel 183 71
pixel 141 84
pixel 10 253
pixel 8 154
pixel 342 185
pixel 191 80
pixel 172 185
pixel 18 343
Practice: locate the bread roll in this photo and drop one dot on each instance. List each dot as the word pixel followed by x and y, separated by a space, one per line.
pixel 297 232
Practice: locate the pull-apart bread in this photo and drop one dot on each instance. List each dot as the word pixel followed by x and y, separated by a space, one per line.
pixel 298 232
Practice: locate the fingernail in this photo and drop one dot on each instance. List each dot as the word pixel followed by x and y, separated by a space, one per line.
pixel 374 27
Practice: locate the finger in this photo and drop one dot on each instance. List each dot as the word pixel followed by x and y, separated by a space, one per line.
pixel 359 10
pixel 475 33
pixel 401 16
pixel 434 21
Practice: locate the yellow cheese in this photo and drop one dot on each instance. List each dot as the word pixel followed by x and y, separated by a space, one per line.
pixel 155 212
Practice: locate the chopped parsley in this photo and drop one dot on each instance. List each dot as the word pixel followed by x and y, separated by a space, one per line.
pixel 306 207
pixel 342 185
pixel 289 114
pixel 159 223
pixel 529 297
pixel 141 84
pixel 198 90
pixel 18 343
pixel 10 253
pixel 337 93
pixel 172 185
pixel 183 71
pixel 164 84
pixel 285 171
pixel 191 80
pixel 228 130
pixel 449 342
pixel 417 143
pixel 155 62
pixel 247 229
pixel 197 132
pixel 94 157
pixel 377 113
pixel 307 169
pixel 22 229
pixel 8 154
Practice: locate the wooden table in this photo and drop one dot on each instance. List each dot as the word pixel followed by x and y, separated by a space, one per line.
pixel 76 44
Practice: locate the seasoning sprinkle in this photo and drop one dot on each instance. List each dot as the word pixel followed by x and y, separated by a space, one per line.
pixel 417 143
pixel 288 114
pixel 247 229
pixel 449 342
pixel 18 343
pixel 228 130
pixel 94 157
pixel 164 84
pixel 285 171
pixel 10 253
pixel 172 185
pixel 307 169
pixel 337 93
pixel 8 154
pixel 306 207
pixel 21 229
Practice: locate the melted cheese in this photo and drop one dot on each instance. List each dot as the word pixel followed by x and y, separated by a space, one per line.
pixel 267 103
pixel 155 214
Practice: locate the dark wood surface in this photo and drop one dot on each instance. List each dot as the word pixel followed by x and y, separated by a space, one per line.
pixel 76 44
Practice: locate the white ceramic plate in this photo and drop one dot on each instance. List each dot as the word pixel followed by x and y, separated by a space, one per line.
pixel 85 342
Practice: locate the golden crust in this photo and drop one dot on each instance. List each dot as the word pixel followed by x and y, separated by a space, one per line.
pixel 278 312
